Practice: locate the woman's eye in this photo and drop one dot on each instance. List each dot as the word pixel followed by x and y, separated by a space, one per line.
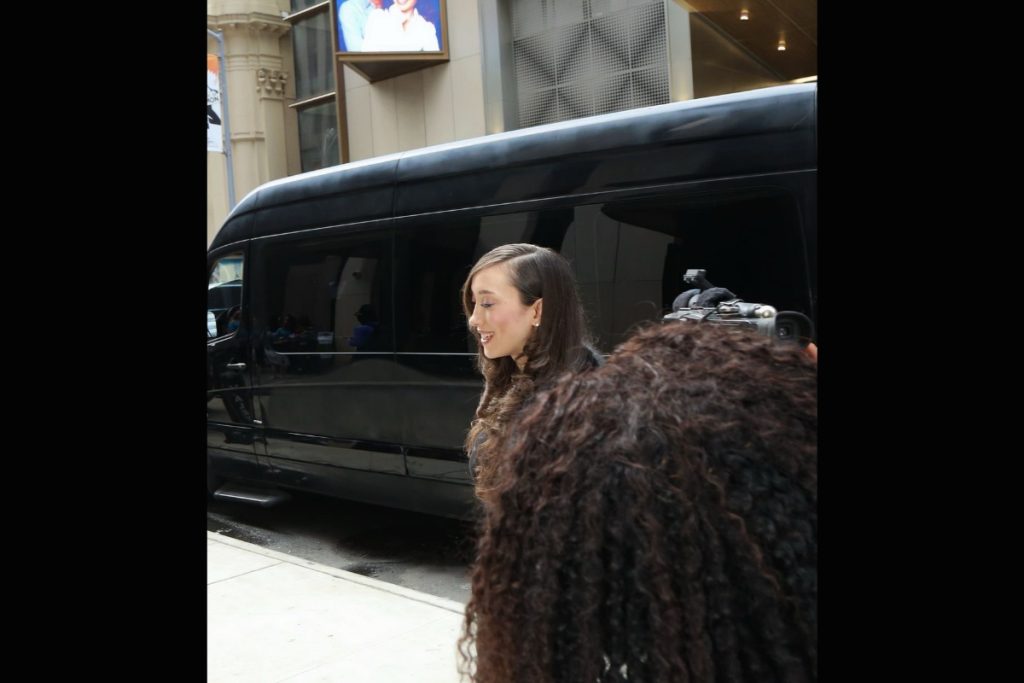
pixel 486 305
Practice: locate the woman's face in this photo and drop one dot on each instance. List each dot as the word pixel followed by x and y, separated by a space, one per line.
pixel 502 321
pixel 405 6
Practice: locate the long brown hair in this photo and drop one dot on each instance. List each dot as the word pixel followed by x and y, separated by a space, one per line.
pixel 655 520
pixel 554 347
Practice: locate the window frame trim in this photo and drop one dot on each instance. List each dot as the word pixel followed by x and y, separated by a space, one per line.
pixel 302 14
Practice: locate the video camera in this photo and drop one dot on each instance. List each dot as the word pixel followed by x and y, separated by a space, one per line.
pixel 710 304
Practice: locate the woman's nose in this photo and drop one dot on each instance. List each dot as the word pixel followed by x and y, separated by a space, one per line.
pixel 472 318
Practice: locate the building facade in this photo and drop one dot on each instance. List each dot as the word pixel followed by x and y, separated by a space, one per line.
pixel 285 103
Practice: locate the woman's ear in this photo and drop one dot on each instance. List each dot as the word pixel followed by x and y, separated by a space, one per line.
pixel 538 308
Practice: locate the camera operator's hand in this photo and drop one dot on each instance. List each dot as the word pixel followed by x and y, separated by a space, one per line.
pixel 812 351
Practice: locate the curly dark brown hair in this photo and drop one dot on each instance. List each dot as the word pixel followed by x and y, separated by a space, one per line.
pixel 655 520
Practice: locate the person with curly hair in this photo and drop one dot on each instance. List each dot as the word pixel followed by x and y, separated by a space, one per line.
pixel 655 520
pixel 522 308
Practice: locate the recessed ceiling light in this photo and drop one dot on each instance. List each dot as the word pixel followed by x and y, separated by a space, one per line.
pixel 744 15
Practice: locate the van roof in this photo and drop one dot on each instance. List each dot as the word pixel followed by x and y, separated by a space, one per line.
pixel 757 131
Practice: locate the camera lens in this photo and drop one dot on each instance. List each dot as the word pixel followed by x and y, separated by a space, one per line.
pixel 793 326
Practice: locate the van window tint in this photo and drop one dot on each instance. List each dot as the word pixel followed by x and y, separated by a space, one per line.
pixel 329 295
pixel 749 242
pixel 629 258
pixel 437 255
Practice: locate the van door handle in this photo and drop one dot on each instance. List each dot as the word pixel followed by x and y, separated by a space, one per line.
pixel 236 366
pixel 316 440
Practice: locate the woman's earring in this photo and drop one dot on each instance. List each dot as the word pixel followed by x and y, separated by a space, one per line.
pixel 536 324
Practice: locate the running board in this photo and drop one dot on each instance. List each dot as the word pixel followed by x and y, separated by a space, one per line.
pixel 239 493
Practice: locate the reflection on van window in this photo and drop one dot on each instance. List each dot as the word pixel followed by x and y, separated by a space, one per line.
pixel 224 295
pixel 227 269
pixel 629 258
pixel 324 298
pixel 436 259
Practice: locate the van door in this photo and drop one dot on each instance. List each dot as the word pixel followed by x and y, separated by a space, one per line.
pixel 324 374
pixel 230 435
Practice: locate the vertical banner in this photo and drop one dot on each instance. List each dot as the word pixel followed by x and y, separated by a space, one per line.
pixel 214 128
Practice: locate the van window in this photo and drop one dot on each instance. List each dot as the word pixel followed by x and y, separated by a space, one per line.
pixel 628 257
pixel 224 295
pixel 328 295
pixel 437 255
pixel 748 241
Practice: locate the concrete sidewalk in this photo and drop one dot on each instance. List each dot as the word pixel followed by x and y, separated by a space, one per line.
pixel 273 617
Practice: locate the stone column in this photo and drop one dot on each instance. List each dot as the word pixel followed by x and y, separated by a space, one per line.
pixel 257 82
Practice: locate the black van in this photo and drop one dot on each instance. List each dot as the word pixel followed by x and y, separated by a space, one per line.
pixel 351 370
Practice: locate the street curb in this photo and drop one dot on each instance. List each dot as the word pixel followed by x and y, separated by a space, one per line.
pixel 408 593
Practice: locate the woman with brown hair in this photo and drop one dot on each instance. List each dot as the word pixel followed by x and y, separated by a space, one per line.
pixel 655 520
pixel 523 309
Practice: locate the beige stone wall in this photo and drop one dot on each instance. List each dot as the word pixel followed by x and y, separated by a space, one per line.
pixel 216 193
pixel 427 107
pixel 680 61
